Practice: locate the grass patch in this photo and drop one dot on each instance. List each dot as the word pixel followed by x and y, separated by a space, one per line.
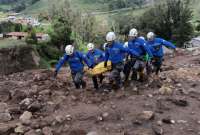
pixel 8 43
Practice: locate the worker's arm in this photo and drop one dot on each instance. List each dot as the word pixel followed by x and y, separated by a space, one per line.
pixel 60 64
pixel 86 60
pixel 168 44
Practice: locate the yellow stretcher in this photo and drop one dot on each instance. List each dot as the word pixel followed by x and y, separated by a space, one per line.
pixel 99 69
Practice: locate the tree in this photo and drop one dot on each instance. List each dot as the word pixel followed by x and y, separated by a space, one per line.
pixel 31 38
pixel 62 25
pixel 171 20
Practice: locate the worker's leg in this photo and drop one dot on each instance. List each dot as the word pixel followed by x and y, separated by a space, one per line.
pixel 95 82
pixel 77 85
pixel 127 70
pixel 135 70
pixel 142 65
pixel 79 79
pixel 101 77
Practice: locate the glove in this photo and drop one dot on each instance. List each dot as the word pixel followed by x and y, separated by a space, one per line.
pixel 105 64
pixel 55 74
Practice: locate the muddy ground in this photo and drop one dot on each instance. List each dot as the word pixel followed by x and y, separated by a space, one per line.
pixel 33 103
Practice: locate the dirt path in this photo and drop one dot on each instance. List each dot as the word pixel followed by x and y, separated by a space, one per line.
pixel 169 106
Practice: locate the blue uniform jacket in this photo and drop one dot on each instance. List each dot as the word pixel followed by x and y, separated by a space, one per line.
pixel 75 61
pixel 139 45
pixel 116 52
pixel 96 56
pixel 156 46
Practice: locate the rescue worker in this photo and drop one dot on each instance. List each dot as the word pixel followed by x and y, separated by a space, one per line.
pixel 115 53
pixel 76 61
pixel 137 64
pixel 95 56
pixel 156 47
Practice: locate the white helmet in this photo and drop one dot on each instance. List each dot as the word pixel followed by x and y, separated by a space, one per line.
pixel 90 46
pixel 133 33
pixel 110 36
pixel 69 49
pixel 150 36
pixel 126 44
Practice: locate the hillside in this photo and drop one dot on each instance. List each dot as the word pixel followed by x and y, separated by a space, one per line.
pixel 33 103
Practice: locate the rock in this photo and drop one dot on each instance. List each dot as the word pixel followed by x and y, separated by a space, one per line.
pixel 25 103
pixel 179 85
pixel 74 98
pixel 198 122
pixel 15 110
pixel 150 95
pixel 31 132
pixel 168 120
pixel 180 102
pixel 181 121
pixel 20 129
pixel 159 123
pixel 165 90
pixel 5 117
pixel 105 115
pixel 92 133
pixel 146 115
pixel 47 131
pixel 158 130
pixel 25 117
pixel 60 118
pixel 45 92
pixel 3 107
pixel 34 107
pixel 6 129
pixel 68 117
pixel 99 118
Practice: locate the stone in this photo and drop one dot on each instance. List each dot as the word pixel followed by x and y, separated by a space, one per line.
pixel 159 123
pixel 68 117
pixel 168 120
pixel 180 102
pixel 60 118
pixel 181 121
pixel 164 90
pixel 150 95
pixel 25 117
pixel 20 129
pixel 92 133
pixel 74 98
pixel 3 107
pixel 31 132
pixel 157 130
pixel 146 115
pixel 5 117
pixel 99 118
pixel 6 129
pixel 34 107
pixel 105 115
pixel 47 131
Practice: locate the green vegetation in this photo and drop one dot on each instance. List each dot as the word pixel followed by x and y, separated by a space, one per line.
pixel 6 43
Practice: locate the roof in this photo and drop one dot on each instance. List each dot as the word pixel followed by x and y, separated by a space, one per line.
pixel 24 34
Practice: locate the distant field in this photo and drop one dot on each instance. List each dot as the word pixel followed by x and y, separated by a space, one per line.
pixel 5 43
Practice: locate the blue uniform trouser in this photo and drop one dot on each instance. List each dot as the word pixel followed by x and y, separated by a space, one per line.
pixel 115 73
pixel 78 79
pixel 157 63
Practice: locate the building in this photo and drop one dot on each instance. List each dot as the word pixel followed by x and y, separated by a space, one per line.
pixel 195 42
pixel 1 36
pixel 23 35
